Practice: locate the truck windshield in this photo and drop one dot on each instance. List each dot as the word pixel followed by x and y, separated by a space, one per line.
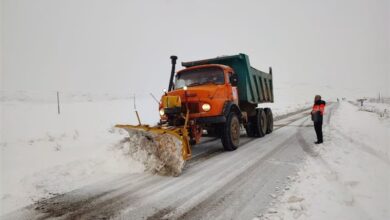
pixel 199 76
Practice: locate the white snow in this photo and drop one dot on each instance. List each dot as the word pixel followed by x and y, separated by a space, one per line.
pixel 44 154
pixel 350 177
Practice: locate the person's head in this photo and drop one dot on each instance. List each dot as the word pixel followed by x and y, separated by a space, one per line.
pixel 317 97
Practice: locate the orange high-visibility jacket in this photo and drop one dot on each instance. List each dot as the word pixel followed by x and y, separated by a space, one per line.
pixel 319 106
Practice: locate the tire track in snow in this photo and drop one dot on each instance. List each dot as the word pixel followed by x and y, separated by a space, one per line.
pixel 236 181
pixel 234 189
pixel 134 196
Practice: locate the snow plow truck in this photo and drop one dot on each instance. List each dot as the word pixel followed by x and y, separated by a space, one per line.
pixel 213 97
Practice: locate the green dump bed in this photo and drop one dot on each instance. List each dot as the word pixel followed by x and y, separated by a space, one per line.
pixel 254 86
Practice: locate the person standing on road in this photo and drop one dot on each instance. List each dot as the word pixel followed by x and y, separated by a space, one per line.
pixel 317 115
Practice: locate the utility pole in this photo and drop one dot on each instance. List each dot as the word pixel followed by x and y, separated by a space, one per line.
pixel 58 102
pixel 136 112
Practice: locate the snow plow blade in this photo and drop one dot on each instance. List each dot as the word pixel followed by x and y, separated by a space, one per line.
pixel 162 150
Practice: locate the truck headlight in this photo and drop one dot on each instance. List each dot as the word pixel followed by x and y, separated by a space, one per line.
pixel 206 107
pixel 162 112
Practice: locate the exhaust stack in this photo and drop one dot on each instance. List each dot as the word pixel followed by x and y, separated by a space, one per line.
pixel 173 62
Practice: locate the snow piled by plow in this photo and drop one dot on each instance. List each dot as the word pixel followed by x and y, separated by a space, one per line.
pixel 159 153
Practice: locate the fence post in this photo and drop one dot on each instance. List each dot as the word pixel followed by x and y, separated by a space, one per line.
pixel 58 102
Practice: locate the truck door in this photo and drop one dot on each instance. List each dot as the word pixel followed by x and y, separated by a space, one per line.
pixel 232 87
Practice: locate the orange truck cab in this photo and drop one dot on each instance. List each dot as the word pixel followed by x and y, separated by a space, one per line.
pixel 213 95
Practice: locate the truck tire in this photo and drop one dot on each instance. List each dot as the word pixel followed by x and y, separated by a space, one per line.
pixel 231 132
pixel 270 120
pixel 261 123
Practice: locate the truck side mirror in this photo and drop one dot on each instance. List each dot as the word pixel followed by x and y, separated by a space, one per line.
pixel 233 79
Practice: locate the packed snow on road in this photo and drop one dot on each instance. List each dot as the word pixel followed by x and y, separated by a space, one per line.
pixel 47 154
pixel 54 160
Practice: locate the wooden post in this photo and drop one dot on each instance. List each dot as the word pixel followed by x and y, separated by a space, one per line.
pixel 134 105
pixel 136 112
pixel 139 120
pixel 58 102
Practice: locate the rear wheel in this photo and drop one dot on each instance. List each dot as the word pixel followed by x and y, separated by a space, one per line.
pixel 231 132
pixel 261 123
pixel 270 120
pixel 257 124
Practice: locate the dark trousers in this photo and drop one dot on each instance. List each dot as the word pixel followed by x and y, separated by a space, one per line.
pixel 318 129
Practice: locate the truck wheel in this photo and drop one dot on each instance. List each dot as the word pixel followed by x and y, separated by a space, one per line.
pixel 270 120
pixel 231 132
pixel 261 123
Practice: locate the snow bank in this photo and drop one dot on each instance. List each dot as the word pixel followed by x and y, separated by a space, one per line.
pixel 349 179
pixel 44 154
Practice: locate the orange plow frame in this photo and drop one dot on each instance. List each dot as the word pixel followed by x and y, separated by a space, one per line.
pixel 179 132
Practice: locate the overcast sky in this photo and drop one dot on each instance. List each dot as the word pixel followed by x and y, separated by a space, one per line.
pixel 334 47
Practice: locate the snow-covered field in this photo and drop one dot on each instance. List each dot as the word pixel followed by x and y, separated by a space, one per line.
pixel 347 177
pixel 44 153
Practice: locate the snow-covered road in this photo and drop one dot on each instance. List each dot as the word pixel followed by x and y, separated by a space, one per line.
pixel 214 185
